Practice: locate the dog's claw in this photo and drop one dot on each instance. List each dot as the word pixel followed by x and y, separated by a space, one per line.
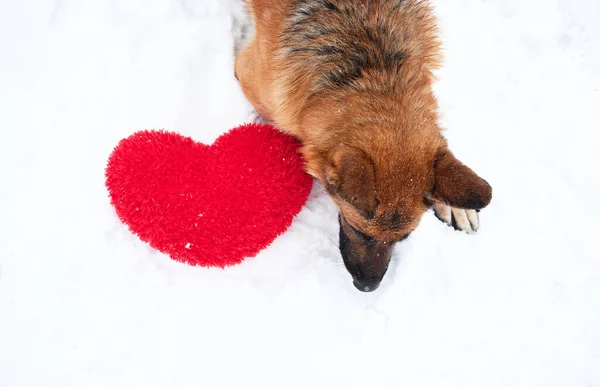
pixel 460 219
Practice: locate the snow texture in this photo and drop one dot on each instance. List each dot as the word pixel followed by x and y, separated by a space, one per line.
pixel 84 303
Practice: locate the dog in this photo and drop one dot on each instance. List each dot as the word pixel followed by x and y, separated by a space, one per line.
pixel 352 80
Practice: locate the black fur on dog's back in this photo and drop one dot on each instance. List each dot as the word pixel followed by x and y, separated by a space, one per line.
pixel 352 39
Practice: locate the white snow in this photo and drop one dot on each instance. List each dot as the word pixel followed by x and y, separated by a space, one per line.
pixel 84 303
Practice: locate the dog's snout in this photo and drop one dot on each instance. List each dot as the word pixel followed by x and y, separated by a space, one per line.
pixel 366 286
pixel 366 260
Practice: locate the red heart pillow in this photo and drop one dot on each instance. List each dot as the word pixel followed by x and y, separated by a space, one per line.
pixel 208 205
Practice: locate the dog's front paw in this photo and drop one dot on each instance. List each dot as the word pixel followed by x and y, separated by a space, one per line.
pixel 460 219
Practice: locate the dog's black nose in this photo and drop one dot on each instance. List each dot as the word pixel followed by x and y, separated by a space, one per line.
pixel 366 286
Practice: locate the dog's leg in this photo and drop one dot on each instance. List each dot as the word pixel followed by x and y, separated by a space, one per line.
pixel 458 218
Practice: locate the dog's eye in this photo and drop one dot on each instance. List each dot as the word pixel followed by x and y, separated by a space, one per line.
pixel 404 237
pixel 362 235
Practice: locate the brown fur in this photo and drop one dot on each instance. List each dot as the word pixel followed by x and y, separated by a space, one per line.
pixel 352 79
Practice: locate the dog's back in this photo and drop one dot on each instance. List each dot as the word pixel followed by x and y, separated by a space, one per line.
pixel 329 46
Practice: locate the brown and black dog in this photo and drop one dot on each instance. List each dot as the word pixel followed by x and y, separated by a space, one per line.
pixel 352 79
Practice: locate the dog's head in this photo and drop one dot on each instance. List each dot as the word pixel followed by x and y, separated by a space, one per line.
pixel 382 195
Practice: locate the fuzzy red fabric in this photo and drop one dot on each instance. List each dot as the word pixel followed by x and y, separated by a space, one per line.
pixel 208 205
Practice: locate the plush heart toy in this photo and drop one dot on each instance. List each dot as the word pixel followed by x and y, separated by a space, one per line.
pixel 208 205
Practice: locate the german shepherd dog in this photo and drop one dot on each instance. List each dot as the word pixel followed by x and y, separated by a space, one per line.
pixel 352 80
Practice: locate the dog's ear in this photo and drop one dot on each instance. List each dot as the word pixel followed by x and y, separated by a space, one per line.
pixel 350 175
pixel 457 185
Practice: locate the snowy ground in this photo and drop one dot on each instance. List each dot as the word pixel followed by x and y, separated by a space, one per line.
pixel 84 303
